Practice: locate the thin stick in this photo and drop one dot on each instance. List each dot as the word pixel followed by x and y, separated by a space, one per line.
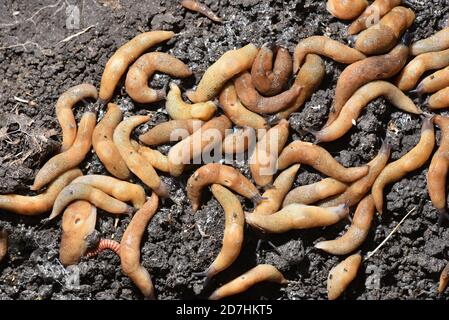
pixel 21 100
pixel 390 235
pixel 77 34
pixel 21 45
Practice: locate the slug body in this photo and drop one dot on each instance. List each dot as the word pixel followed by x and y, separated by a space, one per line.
pixel 382 37
pixel 179 110
pixel 413 71
pixel 260 273
pixel 34 205
pixel 200 8
pixel 136 163
pixel 170 131
pixel 367 70
pixel 358 189
pixel 230 64
pixel 325 46
pixel 346 9
pixel 78 222
pixel 312 193
pixel 143 69
pixel 239 141
pixel 372 14
pixel 437 81
pixel 251 99
pixel 272 198
pixel 64 111
pixel 155 158
pixel 233 232
pixel 437 42
pixel 263 161
pixel 3 244
pixel 104 145
pixel 342 275
pixel 321 160
pixel 355 105
pixel 297 216
pixel 357 232
pixel 309 78
pixel 436 177
pixel 439 100
pixel 70 158
pixel 237 112
pixel 444 279
pixel 205 139
pixel 80 191
pixel 121 190
pixel 124 56
pixel 130 247
pixel 411 161
pixel 268 78
pixel 219 174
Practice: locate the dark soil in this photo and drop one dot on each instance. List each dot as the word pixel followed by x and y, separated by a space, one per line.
pixel 179 243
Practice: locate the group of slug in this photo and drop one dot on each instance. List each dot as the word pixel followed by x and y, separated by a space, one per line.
pixel 429 54
pixel 253 94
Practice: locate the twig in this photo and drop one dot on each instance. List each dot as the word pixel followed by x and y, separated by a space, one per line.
pixel 200 230
pixel 77 34
pixel 21 100
pixel 21 45
pixel 390 235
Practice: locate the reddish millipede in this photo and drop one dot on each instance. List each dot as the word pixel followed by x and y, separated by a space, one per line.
pixel 104 244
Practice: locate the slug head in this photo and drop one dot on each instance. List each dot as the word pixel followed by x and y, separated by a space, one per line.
pixel 386 146
pixel 406 38
pixel 78 223
pixel 427 123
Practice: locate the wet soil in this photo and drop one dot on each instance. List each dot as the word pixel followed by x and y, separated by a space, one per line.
pixel 37 67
